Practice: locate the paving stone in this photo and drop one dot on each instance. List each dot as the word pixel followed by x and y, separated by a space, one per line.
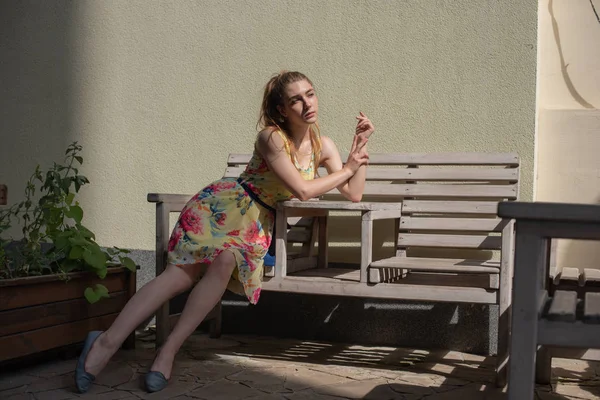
pixel 135 383
pixel 112 395
pixel 20 396
pixel 57 382
pixel 408 387
pixel 405 357
pixel 95 389
pixel 184 397
pixel 136 355
pixel 310 394
pixel 260 368
pixel 473 391
pixel 14 391
pixel 14 380
pixel 204 342
pixel 471 374
pixel 225 390
pixel 372 389
pixel 444 381
pixel 115 374
pixel 578 391
pixel 56 394
pixel 350 372
pixel 209 371
pixel 273 396
pixel 304 378
pixel 262 380
pixel 54 368
pixel 543 395
pixel 572 370
pixel 174 389
pixel 418 379
pixel 253 363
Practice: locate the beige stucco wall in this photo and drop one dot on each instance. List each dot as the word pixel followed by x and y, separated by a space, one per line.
pixel 160 92
pixel 568 135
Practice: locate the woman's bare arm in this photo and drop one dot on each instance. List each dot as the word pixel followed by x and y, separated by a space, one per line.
pixel 353 188
pixel 272 149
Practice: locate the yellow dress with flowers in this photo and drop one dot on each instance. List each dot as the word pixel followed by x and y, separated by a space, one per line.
pixel 223 216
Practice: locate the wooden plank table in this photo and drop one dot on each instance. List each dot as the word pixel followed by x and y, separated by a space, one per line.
pixel 369 211
pixel 538 319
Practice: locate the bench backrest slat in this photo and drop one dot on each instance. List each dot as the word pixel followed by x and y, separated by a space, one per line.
pixel 481 242
pixel 451 224
pixel 450 207
pixel 510 159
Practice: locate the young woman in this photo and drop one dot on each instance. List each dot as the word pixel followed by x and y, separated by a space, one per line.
pixel 224 231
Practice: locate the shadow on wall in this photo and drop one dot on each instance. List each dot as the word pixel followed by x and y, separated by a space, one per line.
pixel 36 70
pixel 563 64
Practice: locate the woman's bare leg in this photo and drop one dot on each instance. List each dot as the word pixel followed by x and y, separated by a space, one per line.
pixel 145 302
pixel 202 299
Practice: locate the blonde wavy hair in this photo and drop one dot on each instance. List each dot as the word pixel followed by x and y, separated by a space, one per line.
pixel 270 117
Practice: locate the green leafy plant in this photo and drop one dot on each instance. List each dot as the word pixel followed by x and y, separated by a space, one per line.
pixel 54 239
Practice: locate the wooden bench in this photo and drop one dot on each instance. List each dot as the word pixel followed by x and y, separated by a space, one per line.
pixel 450 244
pixel 544 317
pixel 578 294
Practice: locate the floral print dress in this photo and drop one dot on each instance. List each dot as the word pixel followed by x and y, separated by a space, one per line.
pixel 223 216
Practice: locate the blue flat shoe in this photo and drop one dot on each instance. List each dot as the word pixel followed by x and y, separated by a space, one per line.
pixel 83 380
pixel 155 381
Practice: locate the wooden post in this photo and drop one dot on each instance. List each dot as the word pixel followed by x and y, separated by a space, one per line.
pixel 3 195
pixel 504 301
pixel 281 243
pixel 216 322
pixel 531 251
pixel 162 238
pixel 322 261
pixel 366 245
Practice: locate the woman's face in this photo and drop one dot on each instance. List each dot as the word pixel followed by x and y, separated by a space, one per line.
pixel 300 103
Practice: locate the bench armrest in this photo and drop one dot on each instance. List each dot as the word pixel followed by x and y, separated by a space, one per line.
pixel 168 198
pixel 556 212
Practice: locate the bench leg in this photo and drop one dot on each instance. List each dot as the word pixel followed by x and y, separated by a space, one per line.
pixel 503 340
pixel 163 325
pixel 323 242
pixel 215 323
pixel 543 366
pixel 530 262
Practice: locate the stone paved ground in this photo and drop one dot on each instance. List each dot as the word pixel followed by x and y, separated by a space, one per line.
pixel 242 367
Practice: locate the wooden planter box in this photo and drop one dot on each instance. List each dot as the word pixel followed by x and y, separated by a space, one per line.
pixel 45 312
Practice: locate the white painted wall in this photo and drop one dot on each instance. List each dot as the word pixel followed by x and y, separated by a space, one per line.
pixel 568 135
pixel 159 92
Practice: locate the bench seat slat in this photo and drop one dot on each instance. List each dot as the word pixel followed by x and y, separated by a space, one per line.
pixel 450 207
pixel 442 174
pixel 430 190
pixel 439 265
pixel 591 308
pixel 590 277
pixel 563 306
pixel 567 276
pixel 482 242
pixel 453 224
